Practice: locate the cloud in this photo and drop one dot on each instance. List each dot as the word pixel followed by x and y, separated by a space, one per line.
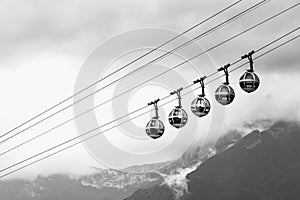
pixel 285 60
pixel 43 43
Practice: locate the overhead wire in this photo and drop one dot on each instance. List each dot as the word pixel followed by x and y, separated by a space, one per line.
pixel 143 66
pixel 123 67
pixel 252 8
pixel 148 80
pixel 92 136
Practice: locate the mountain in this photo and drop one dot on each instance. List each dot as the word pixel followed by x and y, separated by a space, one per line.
pixel 104 184
pixel 109 184
pixel 227 141
pixel 261 166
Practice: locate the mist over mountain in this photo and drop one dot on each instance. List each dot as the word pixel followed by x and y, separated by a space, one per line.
pixel 262 165
pixel 110 184
pixel 233 168
pixel 104 184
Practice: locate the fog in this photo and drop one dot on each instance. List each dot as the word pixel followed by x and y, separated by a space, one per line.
pixel 43 45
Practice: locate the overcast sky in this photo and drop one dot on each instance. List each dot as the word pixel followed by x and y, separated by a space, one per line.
pixel 43 45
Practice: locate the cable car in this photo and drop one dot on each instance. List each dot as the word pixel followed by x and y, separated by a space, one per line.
pixel 155 127
pixel 224 93
pixel 249 81
pixel 178 117
pixel 200 106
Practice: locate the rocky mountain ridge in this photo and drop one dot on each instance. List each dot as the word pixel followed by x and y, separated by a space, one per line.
pixel 263 165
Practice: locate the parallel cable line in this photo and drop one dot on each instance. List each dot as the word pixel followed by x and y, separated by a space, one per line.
pixel 92 136
pixel 148 80
pixel 123 67
pixel 140 68
pixel 54 153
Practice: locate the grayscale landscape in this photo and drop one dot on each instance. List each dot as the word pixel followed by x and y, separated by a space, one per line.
pixel 149 100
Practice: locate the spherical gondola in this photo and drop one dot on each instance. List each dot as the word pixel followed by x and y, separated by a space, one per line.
pixel 249 82
pixel 200 106
pixel 224 94
pixel 155 128
pixel 178 117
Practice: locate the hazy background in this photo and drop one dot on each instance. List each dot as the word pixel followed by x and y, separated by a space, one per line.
pixel 44 43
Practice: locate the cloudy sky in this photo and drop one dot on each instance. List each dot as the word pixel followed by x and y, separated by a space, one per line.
pixel 44 44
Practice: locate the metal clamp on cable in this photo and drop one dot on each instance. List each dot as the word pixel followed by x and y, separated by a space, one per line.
pixel 249 56
pixel 201 81
pixel 177 92
pixel 225 69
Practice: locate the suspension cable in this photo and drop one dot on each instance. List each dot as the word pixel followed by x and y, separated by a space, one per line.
pixel 92 136
pixel 123 67
pixel 265 46
pixel 252 8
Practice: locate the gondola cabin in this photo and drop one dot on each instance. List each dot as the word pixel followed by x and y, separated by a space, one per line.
pixel 249 82
pixel 200 106
pixel 155 128
pixel 178 117
pixel 224 94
